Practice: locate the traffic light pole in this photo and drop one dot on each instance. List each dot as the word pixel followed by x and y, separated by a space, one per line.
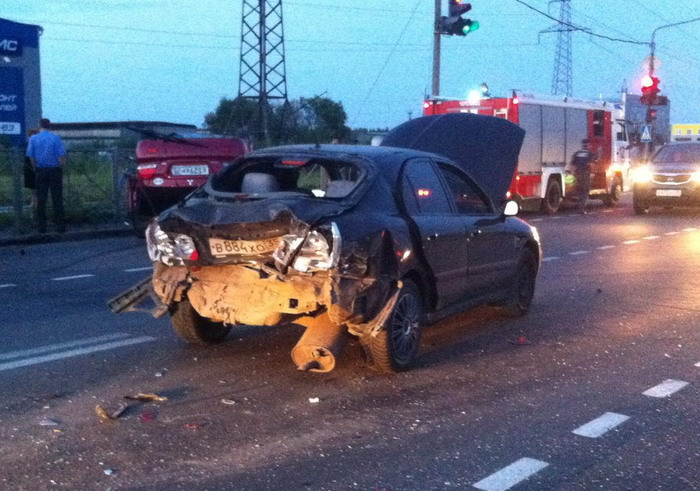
pixel 436 50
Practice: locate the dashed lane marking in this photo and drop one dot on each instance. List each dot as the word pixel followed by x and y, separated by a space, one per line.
pixel 578 253
pixel 75 277
pixel 56 347
pixel 630 242
pixel 689 229
pixel 511 475
pixel 135 270
pixel 671 233
pixel 71 353
pixel 605 247
pixel 8 285
pixel 666 388
pixel 697 365
pixel 550 258
pixel 651 237
pixel 601 425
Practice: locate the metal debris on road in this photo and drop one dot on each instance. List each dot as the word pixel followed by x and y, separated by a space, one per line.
pixel 146 398
pixel 106 416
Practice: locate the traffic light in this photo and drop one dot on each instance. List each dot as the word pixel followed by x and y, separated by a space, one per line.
pixel 454 24
pixel 650 90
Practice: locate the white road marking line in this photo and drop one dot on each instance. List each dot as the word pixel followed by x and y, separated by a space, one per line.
pixel 666 388
pixel 60 346
pixel 509 476
pixel 671 233
pixel 550 258
pixel 536 220
pixel 697 365
pixel 689 229
pixel 605 247
pixel 134 270
pixel 578 253
pixel 651 237
pixel 556 218
pixel 601 425
pixel 76 352
pixel 630 242
pixel 7 285
pixel 78 276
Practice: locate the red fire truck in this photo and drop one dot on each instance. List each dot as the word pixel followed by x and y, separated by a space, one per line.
pixel 170 168
pixel 555 128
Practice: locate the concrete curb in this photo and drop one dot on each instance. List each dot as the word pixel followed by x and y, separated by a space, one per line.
pixel 69 236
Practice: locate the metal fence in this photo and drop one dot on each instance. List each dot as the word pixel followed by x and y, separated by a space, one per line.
pixel 94 191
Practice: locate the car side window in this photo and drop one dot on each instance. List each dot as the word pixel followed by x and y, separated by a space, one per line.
pixel 465 194
pixel 422 191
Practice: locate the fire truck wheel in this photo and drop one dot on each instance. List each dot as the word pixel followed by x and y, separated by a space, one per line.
pixel 613 198
pixel 195 329
pixel 552 197
pixel 523 288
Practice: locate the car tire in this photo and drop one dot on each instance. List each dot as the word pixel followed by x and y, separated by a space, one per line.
pixel 613 198
pixel 552 197
pixel 395 348
pixel 523 287
pixel 640 207
pixel 139 223
pixel 195 329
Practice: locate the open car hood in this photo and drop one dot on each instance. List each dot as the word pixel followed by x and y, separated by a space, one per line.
pixel 486 147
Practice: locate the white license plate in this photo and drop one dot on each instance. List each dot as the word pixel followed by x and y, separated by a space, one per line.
pixel 669 192
pixel 189 170
pixel 223 247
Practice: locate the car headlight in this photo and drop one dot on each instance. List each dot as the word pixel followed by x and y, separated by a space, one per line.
pixel 642 174
pixel 313 253
pixel 171 250
pixel 695 176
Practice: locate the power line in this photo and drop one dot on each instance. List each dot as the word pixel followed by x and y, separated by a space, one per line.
pixel 574 27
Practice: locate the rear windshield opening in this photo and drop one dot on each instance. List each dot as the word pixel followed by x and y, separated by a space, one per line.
pixel 315 178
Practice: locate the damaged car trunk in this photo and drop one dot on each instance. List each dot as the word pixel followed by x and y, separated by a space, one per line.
pixel 325 237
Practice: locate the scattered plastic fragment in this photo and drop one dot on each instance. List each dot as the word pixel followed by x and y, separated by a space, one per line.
pixel 147 416
pixel 520 341
pixel 48 422
pixel 158 374
pixel 146 398
pixel 192 426
pixel 314 400
pixel 228 402
pixel 109 472
pixel 107 416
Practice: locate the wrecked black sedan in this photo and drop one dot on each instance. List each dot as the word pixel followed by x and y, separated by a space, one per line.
pixel 371 242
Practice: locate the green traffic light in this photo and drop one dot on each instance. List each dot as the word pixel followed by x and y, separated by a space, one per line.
pixel 472 25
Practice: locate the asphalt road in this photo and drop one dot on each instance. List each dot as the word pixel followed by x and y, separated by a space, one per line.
pixel 596 388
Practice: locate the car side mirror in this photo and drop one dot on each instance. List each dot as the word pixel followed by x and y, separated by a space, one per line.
pixel 511 209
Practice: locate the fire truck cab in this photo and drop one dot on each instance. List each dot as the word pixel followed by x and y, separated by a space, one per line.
pixel 170 168
pixel 554 131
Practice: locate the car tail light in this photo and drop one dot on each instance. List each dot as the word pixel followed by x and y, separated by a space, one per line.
pixel 171 250
pixel 309 252
pixel 146 171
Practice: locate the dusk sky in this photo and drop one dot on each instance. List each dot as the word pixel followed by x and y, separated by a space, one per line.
pixel 172 60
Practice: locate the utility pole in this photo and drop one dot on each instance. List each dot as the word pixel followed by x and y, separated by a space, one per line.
pixel 263 73
pixel 436 49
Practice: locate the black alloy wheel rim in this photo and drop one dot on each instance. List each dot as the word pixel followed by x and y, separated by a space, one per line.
pixel 405 328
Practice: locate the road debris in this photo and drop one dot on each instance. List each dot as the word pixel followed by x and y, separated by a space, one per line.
pixel 109 472
pixel 48 422
pixel 107 416
pixel 228 402
pixel 148 416
pixel 314 400
pixel 146 398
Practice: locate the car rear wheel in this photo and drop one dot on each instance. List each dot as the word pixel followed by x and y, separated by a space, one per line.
pixel 195 329
pixel 552 197
pixel 613 198
pixel 523 287
pixel 395 347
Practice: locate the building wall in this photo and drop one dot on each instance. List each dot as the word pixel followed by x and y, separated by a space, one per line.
pixel 20 80
pixel 685 132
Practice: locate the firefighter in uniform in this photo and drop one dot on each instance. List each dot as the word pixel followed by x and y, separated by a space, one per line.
pixel 582 161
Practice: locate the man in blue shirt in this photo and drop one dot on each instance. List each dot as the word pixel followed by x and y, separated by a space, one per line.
pixel 48 156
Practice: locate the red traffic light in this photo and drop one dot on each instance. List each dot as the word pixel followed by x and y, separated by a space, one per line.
pixel 458 7
pixel 650 90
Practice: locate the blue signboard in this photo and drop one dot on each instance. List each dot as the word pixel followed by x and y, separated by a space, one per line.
pixel 12 122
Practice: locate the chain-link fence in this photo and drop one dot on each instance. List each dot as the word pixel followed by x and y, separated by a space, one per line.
pixel 94 191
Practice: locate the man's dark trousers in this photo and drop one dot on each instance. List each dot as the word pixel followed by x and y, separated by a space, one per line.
pixel 49 179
